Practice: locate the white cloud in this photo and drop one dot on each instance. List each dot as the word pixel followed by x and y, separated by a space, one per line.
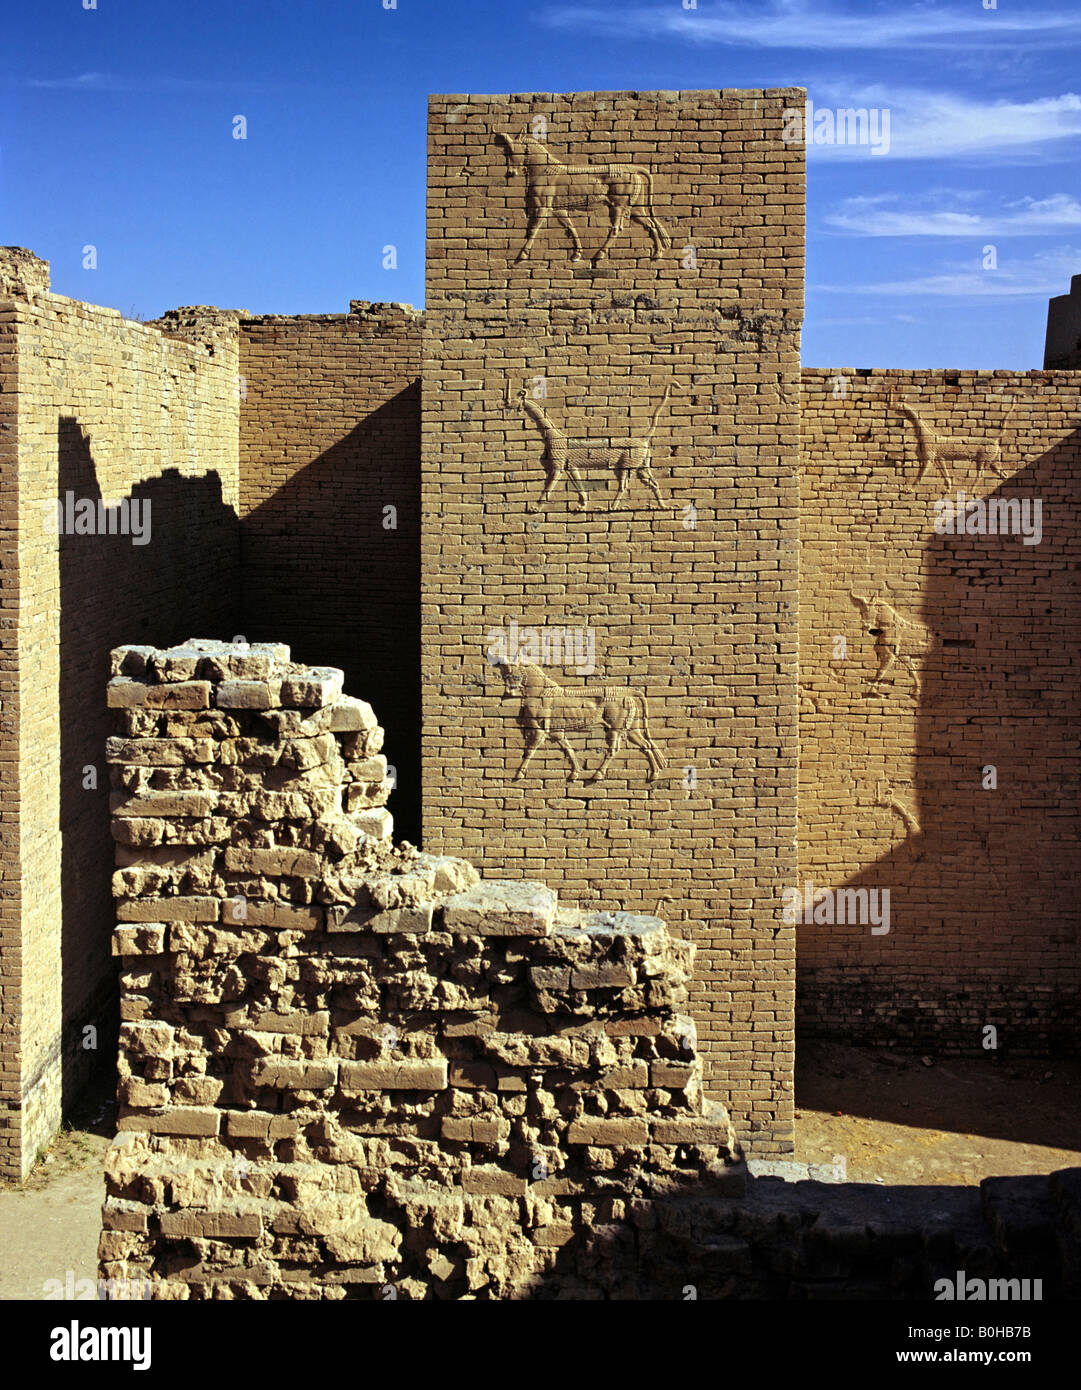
pixel 944 125
pixel 1039 276
pixel 806 24
pixel 1028 217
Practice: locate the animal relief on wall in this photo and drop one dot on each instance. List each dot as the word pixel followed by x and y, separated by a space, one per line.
pixel 549 711
pixel 554 189
pixel 940 452
pixel 896 641
pixel 564 456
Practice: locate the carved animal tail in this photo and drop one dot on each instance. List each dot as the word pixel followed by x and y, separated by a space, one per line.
pixel 662 231
pixel 657 412
pixel 643 714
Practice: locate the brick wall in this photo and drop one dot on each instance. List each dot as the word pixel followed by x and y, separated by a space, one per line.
pixel 691 603
pixel 329 495
pixel 116 412
pixel 10 945
pixel 354 1071
pixel 896 773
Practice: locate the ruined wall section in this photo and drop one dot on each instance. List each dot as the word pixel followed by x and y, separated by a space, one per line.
pixel 346 1065
pixel 940 741
pixel 111 413
pixel 10 962
pixel 330 505
pixel 1062 345
pixel 654 579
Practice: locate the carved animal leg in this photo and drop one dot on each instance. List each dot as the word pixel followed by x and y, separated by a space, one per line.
pixel 645 475
pixel 639 740
pixel 653 228
pixel 555 467
pixel 884 667
pixel 623 478
pixel 613 738
pixel 911 669
pixel 565 218
pixel 572 473
pixel 568 753
pixel 537 215
pixel 988 458
pixel 617 213
pixel 935 461
pixel 533 740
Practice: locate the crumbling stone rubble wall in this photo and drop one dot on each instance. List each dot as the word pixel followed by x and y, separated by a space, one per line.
pixel 346 1065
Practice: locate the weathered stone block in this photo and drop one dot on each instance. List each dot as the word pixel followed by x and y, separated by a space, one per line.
pixel 378 824
pixel 178 1120
pixel 476 1130
pixel 281 861
pixel 169 910
pixel 247 694
pixel 280 916
pixel 139 941
pixel 608 1134
pixel 294 1076
pixel 499 907
pixel 408 1075
pixel 320 687
pixel 185 695
pixel 350 715
pixel 163 805
pixel 211 1225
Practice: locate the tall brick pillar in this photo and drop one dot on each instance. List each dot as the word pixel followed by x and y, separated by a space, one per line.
pixel 640 352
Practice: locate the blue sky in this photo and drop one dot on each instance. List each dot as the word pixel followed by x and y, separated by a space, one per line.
pixel 116 130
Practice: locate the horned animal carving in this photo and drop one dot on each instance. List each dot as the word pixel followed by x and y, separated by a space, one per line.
pixel 562 455
pixel 934 451
pixel 549 711
pixel 891 633
pixel 554 187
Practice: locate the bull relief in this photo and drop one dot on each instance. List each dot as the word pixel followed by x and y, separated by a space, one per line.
pixel 549 711
pixel 896 640
pixel 553 188
pixel 939 452
pixel 566 456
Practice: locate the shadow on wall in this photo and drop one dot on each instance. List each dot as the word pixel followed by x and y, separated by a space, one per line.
pixel 183 582
pixel 985 885
pixel 329 570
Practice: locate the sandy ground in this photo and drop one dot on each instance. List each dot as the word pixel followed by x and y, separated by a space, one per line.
pixel 952 1121
pixel 892 1117
pixel 49 1224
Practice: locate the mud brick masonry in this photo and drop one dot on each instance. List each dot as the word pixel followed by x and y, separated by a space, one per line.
pixel 651 616
pixel 343 1064
pixel 350 1069
pixel 689 600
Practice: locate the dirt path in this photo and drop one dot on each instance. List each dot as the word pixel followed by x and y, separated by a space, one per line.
pixel 903 1119
pixel 49 1225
